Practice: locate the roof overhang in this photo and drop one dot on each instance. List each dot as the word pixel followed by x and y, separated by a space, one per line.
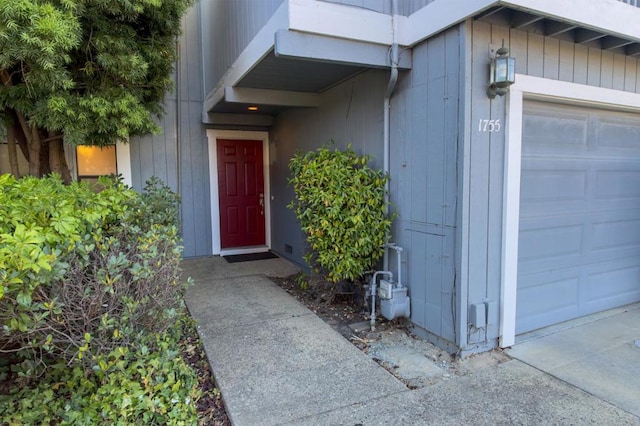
pixel 309 46
pixel 612 17
pixel 297 56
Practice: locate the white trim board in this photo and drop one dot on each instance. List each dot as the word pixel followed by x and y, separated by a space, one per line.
pixel 346 22
pixel 212 136
pixel 527 87
pixel 123 161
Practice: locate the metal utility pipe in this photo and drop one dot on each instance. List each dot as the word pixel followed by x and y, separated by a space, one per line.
pixel 373 295
pixel 178 126
pixel 398 250
pixel 393 79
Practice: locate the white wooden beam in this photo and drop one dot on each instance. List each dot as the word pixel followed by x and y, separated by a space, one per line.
pixel 511 218
pixel 298 45
pixel 245 95
pixel 123 160
pixel 336 20
pixel 254 120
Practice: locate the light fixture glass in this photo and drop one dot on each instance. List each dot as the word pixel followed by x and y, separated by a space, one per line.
pixel 502 73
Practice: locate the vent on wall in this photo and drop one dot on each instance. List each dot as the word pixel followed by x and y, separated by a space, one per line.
pixel 288 249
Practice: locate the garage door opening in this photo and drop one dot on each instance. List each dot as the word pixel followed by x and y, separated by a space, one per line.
pixel 579 232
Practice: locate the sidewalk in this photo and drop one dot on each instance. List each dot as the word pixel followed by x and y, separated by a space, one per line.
pixel 276 362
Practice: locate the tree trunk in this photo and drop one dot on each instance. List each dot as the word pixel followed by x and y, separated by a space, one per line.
pixel 35 146
pixel 13 152
pixel 44 151
pixel 18 133
pixel 57 159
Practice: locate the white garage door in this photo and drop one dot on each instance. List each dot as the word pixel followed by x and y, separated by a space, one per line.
pixel 579 240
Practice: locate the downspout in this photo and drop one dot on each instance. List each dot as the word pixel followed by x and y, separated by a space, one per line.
pixel 393 79
pixel 178 126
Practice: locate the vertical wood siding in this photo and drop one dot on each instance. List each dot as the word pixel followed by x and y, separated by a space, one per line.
pixel 405 7
pixel 350 113
pixel 382 6
pixel 157 155
pixel 227 27
pixel 425 133
pixel 538 56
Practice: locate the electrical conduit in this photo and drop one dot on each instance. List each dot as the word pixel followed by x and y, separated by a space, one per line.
pixel 393 79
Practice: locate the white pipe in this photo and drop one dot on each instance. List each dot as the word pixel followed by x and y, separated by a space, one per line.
pixel 393 79
pixel 373 295
pixel 398 251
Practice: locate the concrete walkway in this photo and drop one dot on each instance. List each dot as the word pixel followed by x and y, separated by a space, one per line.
pixel 276 362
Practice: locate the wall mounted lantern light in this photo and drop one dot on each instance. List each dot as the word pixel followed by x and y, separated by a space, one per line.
pixel 502 73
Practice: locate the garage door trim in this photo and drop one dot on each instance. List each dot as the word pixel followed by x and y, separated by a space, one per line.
pixel 536 88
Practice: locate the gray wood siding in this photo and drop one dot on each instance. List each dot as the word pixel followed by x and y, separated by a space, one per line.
pixel 349 113
pixel 227 27
pixel 408 7
pixel 157 155
pixel 538 56
pixel 405 7
pixel 425 133
pixel 382 6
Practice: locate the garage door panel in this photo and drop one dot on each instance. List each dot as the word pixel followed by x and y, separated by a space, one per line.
pixel 612 283
pixel 616 234
pixel 550 243
pixel 619 184
pixel 579 240
pixel 619 134
pixel 568 185
pixel 543 298
pixel 543 128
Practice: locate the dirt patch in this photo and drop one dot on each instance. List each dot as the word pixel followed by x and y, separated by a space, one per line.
pixel 210 406
pixel 411 359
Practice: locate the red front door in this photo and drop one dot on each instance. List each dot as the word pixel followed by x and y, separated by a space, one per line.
pixel 241 193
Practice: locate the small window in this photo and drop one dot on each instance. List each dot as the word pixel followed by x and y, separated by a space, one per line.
pixel 95 161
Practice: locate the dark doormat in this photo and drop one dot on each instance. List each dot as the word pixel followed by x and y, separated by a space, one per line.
pixel 248 257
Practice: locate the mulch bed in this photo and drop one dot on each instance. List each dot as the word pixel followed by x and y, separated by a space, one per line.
pixel 339 305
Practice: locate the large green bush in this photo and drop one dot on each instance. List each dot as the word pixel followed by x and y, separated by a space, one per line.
pixel 135 385
pixel 340 204
pixel 83 273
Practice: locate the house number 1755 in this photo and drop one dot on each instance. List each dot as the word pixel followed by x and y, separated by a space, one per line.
pixel 489 125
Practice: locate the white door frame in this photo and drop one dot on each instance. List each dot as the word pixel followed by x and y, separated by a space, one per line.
pixel 527 87
pixel 213 135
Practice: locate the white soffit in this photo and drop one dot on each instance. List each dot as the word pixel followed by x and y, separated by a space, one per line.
pixel 609 16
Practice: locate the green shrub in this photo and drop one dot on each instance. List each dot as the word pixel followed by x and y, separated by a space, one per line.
pixel 83 273
pixel 340 204
pixel 149 384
